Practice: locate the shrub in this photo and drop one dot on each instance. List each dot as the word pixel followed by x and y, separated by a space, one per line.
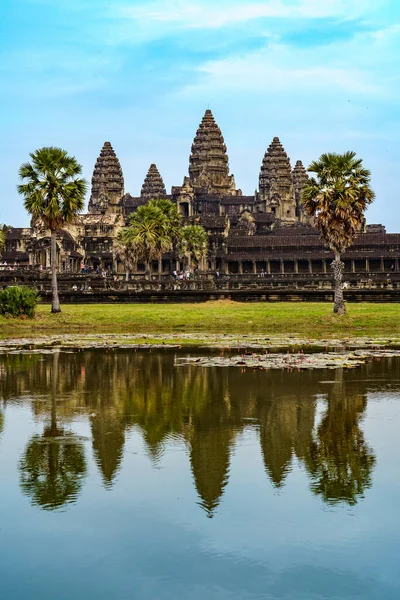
pixel 18 301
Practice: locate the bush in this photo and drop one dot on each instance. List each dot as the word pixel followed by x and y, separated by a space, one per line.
pixel 18 301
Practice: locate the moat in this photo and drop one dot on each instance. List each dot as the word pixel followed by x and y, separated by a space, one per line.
pixel 137 474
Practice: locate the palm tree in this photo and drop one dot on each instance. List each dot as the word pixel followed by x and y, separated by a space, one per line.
pixel 194 242
pixel 126 251
pixel 154 229
pixel 173 218
pixel 336 200
pixel 53 194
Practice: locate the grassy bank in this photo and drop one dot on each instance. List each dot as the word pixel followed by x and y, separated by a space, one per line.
pixel 312 320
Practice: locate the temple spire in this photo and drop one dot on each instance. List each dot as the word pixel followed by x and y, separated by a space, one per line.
pixel 107 181
pixel 300 179
pixel 153 186
pixel 276 182
pixel 209 163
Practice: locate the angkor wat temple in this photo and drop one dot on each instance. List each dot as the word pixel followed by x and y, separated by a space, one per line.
pixel 264 233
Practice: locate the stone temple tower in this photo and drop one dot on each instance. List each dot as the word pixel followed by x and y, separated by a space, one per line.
pixel 300 179
pixel 107 182
pixel 153 186
pixel 276 190
pixel 209 163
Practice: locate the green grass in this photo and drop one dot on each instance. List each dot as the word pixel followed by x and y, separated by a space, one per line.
pixel 312 320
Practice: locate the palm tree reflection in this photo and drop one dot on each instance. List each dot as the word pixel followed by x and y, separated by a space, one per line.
pixel 53 465
pixel 340 461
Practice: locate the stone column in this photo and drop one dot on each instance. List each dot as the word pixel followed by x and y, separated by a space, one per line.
pixel 296 266
pixel 367 265
pixel 255 267
pixel 396 265
pixel 282 267
pixel 268 266
pixel 309 266
pixel 353 266
pixel 324 265
pixel 240 267
pixel 382 266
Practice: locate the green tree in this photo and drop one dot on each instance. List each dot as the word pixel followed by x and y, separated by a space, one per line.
pixel 173 222
pixel 126 250
pixel 194 243
pixel 336 199
pixel 53 194
pixel 153 230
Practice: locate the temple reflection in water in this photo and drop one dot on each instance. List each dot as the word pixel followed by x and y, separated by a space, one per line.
pixel 314 418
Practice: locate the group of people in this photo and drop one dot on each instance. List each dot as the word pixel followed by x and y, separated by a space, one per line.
pixel 6 267
pixel 181 275
pixel 83 288
pixel 89 270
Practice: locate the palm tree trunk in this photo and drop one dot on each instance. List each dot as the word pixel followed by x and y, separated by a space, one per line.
pixel 54 378
pixel 338 266
pixel 159 269
pixel 55 302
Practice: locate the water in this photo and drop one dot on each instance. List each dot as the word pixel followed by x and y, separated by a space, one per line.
pixel 124 476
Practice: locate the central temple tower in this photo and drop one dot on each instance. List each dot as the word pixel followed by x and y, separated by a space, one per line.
pixel 209 163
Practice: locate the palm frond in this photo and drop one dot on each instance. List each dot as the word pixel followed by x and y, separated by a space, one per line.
pixel 52 188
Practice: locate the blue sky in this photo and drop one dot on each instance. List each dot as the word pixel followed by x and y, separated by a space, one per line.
pixel 323 75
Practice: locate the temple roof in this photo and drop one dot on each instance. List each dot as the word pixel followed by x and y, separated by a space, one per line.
pixel 107 180
pixel 153 186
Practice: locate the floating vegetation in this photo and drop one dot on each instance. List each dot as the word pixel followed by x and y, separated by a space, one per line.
pixel 291 360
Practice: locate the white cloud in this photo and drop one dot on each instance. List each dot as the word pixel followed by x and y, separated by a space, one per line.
pixel 277 69
pixel 206 14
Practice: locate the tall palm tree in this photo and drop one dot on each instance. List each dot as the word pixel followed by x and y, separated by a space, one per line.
pixel 53 194
pixel 336 200
pixel 194 243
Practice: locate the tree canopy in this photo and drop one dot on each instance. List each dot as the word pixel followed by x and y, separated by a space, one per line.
pixel 154 229
pixel 194 242
pixel 337 198
pixel 52 188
